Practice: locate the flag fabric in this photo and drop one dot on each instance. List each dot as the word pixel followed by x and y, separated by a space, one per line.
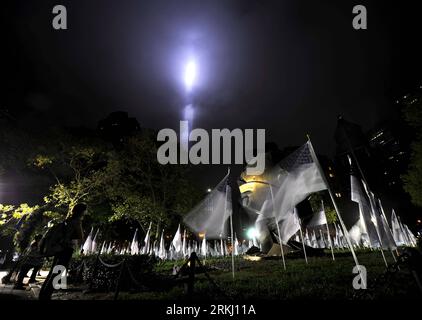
pixel 94 242
pixel 162 249
pixel 318 219
pixel 314 242
pixel 363 230
pixel 321 241
pixel 88 243
pixel 210 215
pixel 147 244
pixel 387 228
pixel 282 187
pixel 294 179
pixel 134 246
pixel 376 217
pixel 184 246
pixel 341 239
pixel 103 248
pixel 398 235
pixel 336 243
pixel 204 247
pixel 307 240
pixel 177 241
pixel 289 226
pixel 236 247
pixel 410 236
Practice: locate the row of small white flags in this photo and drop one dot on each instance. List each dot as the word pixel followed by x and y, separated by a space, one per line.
pixel 290 182
pixel 401 232
pixel 179 248
pixel 371 228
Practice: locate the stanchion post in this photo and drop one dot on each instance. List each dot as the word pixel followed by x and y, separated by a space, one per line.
pixel 191 279
pixel 119 280
pixel 94 271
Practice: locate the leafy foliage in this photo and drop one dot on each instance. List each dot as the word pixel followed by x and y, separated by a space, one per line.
pixel 315 201
pixel 140 188
pixel 125 183
pixel 19 222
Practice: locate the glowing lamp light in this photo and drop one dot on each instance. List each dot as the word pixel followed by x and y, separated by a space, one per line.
pixel 252 258
pixel 247 187
pixel 188 113
pixel 190 75
pixel 252 233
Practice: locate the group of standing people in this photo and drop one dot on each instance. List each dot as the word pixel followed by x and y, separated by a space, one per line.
pixel 59 242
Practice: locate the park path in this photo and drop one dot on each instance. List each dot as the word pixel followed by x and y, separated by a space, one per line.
pixel 30 293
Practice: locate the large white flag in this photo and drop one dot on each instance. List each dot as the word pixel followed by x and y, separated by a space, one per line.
pixel 290 182
pixel 210 215
pixel 295 178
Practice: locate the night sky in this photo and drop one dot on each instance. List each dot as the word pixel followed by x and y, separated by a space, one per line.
pixel 287 66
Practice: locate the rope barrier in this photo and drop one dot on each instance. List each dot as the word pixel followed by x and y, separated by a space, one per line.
pixel 132 277
pixel 110 265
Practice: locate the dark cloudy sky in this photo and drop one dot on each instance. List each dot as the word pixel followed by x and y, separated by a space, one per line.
pixel 287 66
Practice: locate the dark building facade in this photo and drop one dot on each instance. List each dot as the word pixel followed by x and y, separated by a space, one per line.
pixel 117 126
pixel 378 156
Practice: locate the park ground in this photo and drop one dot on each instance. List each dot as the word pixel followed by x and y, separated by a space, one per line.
pixel 266 279
pixel 319 279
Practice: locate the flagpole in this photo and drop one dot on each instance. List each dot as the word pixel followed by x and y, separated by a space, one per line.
pixel 278 227
pixel 366 182
pixel 346 233
pixel 371 202
pixel 385 224
pixel 231 222
pixel 303 242
pixel 379 239
pixel 328 231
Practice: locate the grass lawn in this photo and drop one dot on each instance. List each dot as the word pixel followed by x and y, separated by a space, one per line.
pixel 321 278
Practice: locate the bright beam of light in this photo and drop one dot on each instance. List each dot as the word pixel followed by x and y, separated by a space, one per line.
pixel 190 75
pixel 189 113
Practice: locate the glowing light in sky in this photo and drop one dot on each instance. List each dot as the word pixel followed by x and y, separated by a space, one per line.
pixel 189 113
pixel 190 74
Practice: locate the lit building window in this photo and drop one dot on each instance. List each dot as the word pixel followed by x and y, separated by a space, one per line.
pixel 331 175
pixel 338 194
